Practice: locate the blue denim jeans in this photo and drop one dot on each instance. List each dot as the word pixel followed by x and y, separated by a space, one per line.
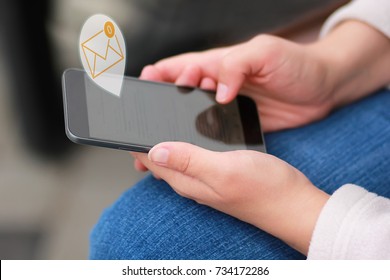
pixel 150 221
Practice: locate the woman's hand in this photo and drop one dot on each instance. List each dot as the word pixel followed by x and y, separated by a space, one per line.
pixel 254 187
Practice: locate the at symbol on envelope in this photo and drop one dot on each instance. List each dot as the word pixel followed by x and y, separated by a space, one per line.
pixel 102 51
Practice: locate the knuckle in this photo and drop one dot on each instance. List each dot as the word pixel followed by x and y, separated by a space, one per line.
pixel 227 186
pixel 263 39
pixel 267 43
pixel 192 67
pixel 228 62
pixel 184 163
pixel 235 178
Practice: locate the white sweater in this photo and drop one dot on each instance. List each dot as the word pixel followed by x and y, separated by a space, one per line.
pixel 355 224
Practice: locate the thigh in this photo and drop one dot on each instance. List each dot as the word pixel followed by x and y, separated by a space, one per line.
pixel 352 145
pixel 150 221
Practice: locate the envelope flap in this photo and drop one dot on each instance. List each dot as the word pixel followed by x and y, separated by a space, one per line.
pixel 115 46
pixel 102 65
pixel 98 44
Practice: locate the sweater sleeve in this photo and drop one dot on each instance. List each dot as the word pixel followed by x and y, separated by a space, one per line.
pixel 373 12
pixel 354 224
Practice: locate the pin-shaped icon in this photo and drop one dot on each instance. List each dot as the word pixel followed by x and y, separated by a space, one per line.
pixel 103 52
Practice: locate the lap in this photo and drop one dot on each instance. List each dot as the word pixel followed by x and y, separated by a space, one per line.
pixel 150 221
pixel 352 145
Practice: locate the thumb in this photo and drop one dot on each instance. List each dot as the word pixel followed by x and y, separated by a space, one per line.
pixel 186 158
pixel 235 67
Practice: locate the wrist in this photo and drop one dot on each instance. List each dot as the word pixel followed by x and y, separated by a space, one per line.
pixel 332 75
pixel 356 57
pixel 302 217
pixel 305 219
pixel 294 215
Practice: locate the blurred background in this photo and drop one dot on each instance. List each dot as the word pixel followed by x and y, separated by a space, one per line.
pixel 52 191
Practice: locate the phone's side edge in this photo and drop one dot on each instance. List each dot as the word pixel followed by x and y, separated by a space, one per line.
pixel 251 124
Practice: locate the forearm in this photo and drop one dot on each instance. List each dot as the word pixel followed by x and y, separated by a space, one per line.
pixel 357 58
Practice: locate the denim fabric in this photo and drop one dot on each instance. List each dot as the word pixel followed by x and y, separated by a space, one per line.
pixel 150 221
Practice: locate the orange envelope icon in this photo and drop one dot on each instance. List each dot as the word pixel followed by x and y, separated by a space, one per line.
pixel 102 51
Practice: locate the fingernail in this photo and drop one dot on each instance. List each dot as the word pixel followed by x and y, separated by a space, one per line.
pixel 222 92
pixel 159 156
pixel 181 81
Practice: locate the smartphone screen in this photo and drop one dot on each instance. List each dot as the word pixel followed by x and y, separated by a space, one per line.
pixel 148 113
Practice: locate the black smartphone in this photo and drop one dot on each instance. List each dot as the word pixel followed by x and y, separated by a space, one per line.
pixel 148 113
